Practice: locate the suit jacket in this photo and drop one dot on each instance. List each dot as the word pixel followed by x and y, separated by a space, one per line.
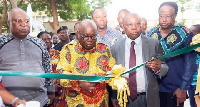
pixel 150 48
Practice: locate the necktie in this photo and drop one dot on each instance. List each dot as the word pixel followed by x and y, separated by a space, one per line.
pixel 132 75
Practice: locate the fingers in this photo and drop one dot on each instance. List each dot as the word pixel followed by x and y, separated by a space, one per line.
pixel 154 65
pixel 18 102
pixel 178 101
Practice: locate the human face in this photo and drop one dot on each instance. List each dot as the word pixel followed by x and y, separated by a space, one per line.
pixel 76 27
pixel 63 35
pixel 132 26
pixel 194 30
pixel 19 24
pixel 55 39
pixel 100 18
pixel 71 37
pixel 143 24
pixel 120 18
pixel 47 39
pixel 88 37
pixel 166 17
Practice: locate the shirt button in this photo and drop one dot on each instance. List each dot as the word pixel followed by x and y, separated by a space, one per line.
pixel 22 46
pixel 22 53
pixel 21 40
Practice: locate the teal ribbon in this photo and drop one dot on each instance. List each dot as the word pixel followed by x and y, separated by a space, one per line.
pixel 53 75
pixel 172 54
pixel 93 78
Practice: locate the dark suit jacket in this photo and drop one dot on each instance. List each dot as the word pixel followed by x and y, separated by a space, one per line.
pixel 150 48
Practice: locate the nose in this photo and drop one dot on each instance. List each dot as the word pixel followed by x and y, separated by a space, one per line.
pixel 164 19
pixel 24 23
pixel 90 38
pixel 133 26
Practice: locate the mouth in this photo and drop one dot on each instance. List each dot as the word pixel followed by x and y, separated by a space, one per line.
pixel 23 30
pixel 134 33
pixel 163 24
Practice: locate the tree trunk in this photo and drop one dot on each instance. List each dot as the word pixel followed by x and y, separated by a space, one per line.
pixel 4 16
pixel 55 25
pixel 13 3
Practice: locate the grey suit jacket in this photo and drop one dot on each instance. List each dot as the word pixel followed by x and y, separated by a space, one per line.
pixel 150 48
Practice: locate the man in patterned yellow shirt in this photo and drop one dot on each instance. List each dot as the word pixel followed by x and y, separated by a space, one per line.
pixel 85 57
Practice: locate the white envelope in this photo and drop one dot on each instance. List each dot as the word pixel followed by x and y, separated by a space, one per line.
pixel 31 104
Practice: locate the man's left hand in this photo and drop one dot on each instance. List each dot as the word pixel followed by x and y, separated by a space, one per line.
pixel 154 65
pixel 180 95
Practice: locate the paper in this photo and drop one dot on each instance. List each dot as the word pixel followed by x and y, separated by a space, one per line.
pixel 30 104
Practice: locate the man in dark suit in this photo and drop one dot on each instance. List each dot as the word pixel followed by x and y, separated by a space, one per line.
pixel 145 48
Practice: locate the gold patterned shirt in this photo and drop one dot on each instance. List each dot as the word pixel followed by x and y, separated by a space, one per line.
pixel 75 60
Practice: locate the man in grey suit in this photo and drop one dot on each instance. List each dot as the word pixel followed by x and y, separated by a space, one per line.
pixel 145 48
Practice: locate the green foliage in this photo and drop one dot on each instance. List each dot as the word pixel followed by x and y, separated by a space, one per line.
pixel 68 9
pixel 198 7
pixel 184 5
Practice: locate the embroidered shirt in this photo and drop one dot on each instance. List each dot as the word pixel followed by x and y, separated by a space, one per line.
pixel 111 36
pixel 181 67
pixel 74 60
pixel 26 55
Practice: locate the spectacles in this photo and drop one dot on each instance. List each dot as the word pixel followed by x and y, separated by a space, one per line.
pixel 87 37
pixel 20 21
pixel 166 16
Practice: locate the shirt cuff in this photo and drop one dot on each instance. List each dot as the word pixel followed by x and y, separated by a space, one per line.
pixel 157 73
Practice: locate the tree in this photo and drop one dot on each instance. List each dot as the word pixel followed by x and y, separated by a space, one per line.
pixel 184 5
pixel 198 7
pixel 67 9
pixel 3 14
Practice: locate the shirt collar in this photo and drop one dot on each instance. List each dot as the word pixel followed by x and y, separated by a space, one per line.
pixel 137 40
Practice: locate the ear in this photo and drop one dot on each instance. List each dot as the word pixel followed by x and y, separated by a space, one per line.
pixel 8 22
pixel 175 16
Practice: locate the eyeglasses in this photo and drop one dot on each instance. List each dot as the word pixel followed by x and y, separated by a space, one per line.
pixel 20 21
pixel 87 37
pixel 166 16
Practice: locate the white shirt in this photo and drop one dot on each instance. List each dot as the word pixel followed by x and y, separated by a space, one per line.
pixel 140 72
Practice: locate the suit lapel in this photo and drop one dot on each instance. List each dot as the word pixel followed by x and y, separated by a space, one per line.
pixel 145 49
pixel 122 52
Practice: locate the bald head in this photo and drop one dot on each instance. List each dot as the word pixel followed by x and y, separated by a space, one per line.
pixel 18 22
pixel 143 23
pixel 132 25
pixel 87 34
pixel 15 11
pixel 122 13
pixel 195 29
pixel 87 25
pixel 131 15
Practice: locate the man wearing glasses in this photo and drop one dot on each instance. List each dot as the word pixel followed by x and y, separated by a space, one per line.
pixel 85 57
pixel 172 37
pixel 21 52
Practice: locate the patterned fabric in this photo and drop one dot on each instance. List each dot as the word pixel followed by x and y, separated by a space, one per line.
pixel 182 67
pixel 111 36
pixel 59 99
pixel 35 60
pixel 75 60
pixel 194 82
pixel 45 60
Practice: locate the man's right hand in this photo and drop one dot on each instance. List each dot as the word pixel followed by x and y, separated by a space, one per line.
pixel 180 95
pixel 18 102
